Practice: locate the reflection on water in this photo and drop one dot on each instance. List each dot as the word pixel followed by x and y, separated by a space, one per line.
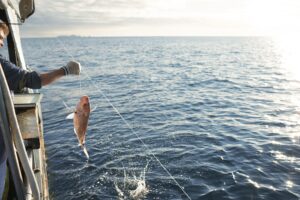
pixel 287 51
pixel 289 184
pixel 254 183
pixel 287 59
pixel 280 156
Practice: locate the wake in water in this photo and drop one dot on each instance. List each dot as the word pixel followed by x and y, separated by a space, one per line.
pixel 132 187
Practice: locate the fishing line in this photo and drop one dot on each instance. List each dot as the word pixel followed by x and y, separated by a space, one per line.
pixel 71 56
pixel 132 130
pixel 125 121
pixel 145 145
pixel 80 84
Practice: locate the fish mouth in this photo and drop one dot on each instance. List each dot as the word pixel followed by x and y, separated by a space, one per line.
pixel 84 99
pixel 86 105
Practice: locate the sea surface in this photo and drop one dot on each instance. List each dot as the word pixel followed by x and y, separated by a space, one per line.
pixel 175 118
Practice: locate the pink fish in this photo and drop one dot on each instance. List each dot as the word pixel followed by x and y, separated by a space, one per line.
pixel 80 118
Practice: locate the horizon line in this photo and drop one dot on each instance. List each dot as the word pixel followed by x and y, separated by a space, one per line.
pixel 139 36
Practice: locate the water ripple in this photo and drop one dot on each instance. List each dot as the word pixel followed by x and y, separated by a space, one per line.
pixel 221 114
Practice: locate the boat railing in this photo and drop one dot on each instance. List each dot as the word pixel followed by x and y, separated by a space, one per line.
pixel 15 147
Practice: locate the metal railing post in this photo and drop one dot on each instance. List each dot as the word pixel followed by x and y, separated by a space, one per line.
pixel 17 137
pixel 10 150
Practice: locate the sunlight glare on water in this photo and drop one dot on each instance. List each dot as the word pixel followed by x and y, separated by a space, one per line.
pixel 288 48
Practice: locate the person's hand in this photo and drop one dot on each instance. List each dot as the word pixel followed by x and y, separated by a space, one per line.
pixel 72 68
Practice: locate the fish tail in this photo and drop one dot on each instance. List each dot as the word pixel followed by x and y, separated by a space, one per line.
pixel 85 151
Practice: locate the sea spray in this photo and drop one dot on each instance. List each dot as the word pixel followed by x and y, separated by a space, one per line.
pixel 140 191
pixel 132 187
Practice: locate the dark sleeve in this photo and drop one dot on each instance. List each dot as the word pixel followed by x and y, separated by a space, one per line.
pixel 18 78
pixel 33 80
pixel 3 155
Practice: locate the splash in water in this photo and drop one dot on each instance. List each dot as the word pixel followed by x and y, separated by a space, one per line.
pixel 132 187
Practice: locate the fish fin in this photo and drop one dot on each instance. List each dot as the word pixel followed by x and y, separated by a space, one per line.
pixel 67 107
pixel 70 116
pixel 94 109
pixel 85 151
pixel 75 132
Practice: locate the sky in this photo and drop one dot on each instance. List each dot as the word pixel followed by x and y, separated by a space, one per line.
pixel 163 18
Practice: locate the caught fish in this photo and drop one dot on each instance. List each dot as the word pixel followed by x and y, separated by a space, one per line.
pixel 80 118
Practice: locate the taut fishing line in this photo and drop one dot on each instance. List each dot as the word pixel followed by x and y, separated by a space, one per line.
pixel 130 127
pixel 123 119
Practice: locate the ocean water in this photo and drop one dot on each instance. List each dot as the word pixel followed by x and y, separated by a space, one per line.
pixel 202 118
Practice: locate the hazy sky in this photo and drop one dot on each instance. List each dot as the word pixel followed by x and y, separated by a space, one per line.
pixel 163 18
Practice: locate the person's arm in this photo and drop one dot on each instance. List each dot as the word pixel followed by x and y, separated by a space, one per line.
pixel 14 75
pixel 18 78
pixel 49 77
pixel 72 68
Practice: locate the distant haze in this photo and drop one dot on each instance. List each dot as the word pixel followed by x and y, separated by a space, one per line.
pixel 163 18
